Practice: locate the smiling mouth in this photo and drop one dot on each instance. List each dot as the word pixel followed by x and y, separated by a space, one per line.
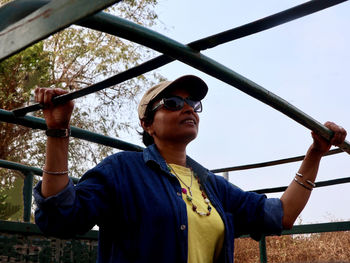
pixel 189 121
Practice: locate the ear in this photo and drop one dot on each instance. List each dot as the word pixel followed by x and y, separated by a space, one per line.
pixel 147 127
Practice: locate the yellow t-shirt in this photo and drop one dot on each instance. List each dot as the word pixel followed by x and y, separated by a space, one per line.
pixel 205 233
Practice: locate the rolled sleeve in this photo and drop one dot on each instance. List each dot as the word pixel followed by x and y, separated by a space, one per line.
pixel 273 214
pixel 63 199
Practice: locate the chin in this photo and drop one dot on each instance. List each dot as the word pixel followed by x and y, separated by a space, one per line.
pixel 190 137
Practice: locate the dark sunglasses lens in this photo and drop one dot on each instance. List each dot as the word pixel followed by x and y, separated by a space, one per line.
pixel 173 103
pixel 197 106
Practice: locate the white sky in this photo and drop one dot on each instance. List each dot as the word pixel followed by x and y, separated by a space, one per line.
pixel 305 62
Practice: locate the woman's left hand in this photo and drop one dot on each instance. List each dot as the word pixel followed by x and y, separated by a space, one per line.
pixel 322 145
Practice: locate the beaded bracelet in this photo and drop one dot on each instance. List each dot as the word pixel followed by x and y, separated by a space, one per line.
pixel 55 173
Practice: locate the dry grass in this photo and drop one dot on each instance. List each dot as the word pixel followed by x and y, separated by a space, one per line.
pixel 324 247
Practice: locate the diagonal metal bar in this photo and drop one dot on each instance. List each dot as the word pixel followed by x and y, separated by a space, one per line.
pixel 265 23
pixel 16 10
pixel 187 55
pixel 47 20
pixel 105 22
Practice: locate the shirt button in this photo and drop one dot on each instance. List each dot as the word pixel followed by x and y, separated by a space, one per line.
pixel 183 227
pixel 178 193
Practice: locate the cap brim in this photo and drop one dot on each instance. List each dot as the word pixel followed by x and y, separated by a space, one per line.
pixel 195 86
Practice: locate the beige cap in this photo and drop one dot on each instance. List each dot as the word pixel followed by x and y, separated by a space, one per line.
pixel 196 87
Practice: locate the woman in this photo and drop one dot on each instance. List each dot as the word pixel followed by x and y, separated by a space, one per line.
pixel 160 205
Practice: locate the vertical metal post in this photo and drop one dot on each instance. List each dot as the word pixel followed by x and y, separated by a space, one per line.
pixel 225 174
pixel 27 195
pixel 262 246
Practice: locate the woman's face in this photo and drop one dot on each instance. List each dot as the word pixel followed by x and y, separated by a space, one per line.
pixel 174 126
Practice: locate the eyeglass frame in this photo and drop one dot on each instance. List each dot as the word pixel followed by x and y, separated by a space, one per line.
pixel 188 101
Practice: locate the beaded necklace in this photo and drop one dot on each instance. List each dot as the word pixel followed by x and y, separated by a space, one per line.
pixel 189 197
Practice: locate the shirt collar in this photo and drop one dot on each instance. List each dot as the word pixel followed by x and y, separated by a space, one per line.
pixel 152 157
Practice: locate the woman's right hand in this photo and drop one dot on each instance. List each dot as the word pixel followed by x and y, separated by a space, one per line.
pixel 56 116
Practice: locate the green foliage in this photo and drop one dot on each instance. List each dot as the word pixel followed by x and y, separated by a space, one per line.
pixel 18 76
pixel 11 201
pixel 20 73
pixel 73 59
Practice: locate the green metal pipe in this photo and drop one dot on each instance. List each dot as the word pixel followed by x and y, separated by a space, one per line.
pixel 187 55
pixel 343 180
pixel 39 123
pixel 269 163
pixel 26 170
pixel 45 21
pixel 318 228
pixel 18 9
pixel 141 35
pixel 32 229
pixel 262 249
pixel 27 196
pixel 20 167
pixel 98 22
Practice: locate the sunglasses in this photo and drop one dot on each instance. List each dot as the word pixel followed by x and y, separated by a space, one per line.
pixel 176 103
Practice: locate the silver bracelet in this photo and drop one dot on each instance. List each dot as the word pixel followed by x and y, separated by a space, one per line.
pixel 311 183
pixel 303 185
pixel 308 181
pixel 55 173
pixel 299 174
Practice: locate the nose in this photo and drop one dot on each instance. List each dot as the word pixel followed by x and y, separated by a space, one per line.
pixel 187 108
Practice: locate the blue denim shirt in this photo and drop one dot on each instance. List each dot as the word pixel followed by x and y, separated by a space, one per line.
pixel 138 206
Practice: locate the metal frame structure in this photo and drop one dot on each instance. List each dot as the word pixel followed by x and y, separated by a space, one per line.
pixel 27 22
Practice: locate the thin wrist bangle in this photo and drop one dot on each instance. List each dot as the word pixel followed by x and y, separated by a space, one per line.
pixel 299 174
pixel 301 184
pixel 55 173
pixel 308 181
pixel 311 183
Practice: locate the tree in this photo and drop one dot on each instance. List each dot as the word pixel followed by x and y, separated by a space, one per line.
pixel 18 75
pixel 72 59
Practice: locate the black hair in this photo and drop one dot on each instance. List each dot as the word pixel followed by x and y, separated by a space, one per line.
pixel 147 139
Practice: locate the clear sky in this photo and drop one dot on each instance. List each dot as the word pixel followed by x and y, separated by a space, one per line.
pixel 306 62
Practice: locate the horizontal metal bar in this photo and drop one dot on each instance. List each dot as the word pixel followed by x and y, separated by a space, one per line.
pixel 26 170
pixel 104 22
pixel 318 184
pixel 32 229
pixel 269 163
pixel 318 228
pixel 20 167
pixel 47 20
pixel 39 123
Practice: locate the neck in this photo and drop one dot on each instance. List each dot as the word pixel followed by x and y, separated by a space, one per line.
pixel 173 153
